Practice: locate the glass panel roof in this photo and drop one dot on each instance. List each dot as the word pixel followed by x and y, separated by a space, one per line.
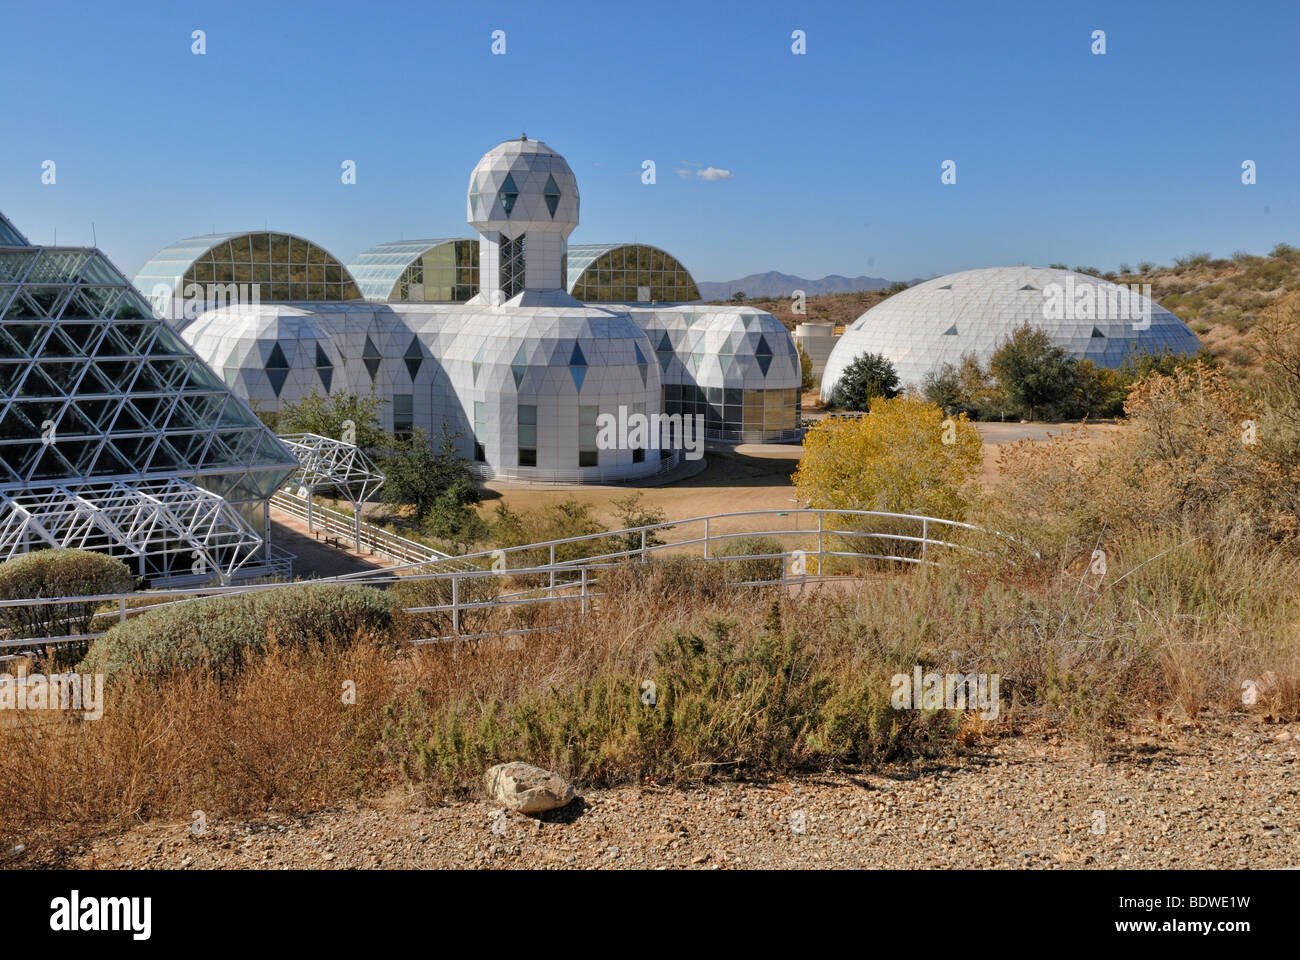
pixel 378 270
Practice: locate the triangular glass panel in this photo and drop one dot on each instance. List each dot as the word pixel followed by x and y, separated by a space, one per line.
pixel 520 366
pixel 951 331
pixel 371 357
pixel 552 194
pixel 414 357
pixel 509 194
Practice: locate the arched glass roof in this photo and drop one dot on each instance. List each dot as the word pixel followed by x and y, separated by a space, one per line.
pixel 284 267
pixel 440 271
pixel 628 273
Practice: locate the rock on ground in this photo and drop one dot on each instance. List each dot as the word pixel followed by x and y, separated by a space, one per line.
pixel 524 788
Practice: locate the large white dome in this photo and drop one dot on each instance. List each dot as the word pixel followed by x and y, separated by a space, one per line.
pixel 973 311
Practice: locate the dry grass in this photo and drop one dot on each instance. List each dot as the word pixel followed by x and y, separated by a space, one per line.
pixel 1173 626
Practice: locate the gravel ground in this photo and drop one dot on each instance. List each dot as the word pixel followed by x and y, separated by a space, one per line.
pixel 1221 795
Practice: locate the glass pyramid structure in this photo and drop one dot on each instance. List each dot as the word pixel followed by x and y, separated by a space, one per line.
pixel 108 419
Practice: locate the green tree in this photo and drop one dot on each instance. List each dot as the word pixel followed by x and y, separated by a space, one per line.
pixel 869 376
pixel 942 387
pixel 419 476
pixel 1036 375
pixel 453 517
pixel 328 417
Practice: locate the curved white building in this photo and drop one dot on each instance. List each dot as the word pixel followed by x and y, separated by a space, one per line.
pixel 973 311
pixel 482 338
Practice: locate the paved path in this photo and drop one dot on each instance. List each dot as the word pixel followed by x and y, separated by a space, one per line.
pixel 315 558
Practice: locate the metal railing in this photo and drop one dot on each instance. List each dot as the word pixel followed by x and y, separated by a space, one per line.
pixel 807 533
pixel 344 527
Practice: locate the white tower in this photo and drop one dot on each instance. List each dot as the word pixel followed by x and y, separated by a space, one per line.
pixel 523 202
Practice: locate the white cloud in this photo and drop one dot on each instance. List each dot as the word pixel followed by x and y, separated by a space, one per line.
pixel 713 173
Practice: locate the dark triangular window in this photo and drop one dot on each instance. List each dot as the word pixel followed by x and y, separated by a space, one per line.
pixel 509 194
pixel 414 359
pixel 371 358
pixel 552 194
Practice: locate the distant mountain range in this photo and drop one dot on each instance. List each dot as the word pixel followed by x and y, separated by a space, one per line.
pixel 776 284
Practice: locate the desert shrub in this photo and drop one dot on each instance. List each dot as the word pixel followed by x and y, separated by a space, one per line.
pixel 1096 392
pixel 1194 456
pixel 719 701
pixel 407 592
pixel 631 513
pixel 58 573
pixel 556 521
pixel 898 459
pixel 756 567
pixel 278 736
pixel 219 633
pixel 669 579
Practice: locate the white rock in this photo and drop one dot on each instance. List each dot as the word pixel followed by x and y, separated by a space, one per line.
pixel 527 789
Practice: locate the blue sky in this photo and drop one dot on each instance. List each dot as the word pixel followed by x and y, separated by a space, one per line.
pixel 834 156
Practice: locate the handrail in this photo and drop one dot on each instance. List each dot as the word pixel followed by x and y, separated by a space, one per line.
pixel 377 539
pixel 563 577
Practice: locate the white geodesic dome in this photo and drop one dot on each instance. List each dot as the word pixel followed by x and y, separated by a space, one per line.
pixel 941 320
pixel 523 186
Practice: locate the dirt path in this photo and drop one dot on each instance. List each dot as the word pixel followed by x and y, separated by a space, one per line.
pixel 1174 797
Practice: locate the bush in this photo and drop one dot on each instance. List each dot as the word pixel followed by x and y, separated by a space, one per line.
pixel 670 580
pixel 906 457
pixel 58 573
pixel 436 593
pixel 725 700
pixel 755 568
pixel 867 377
pixel 556 521
pixel 221 632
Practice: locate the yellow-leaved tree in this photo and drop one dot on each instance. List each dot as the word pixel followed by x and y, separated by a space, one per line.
pixel 906 456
